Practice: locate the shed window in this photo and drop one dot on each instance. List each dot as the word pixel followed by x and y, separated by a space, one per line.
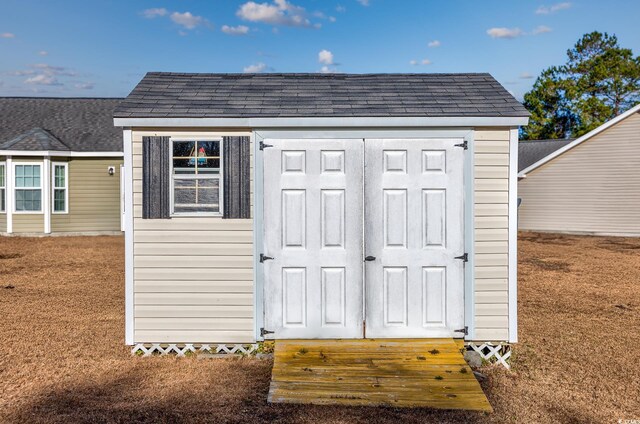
pixel 196 177
pixel 60 187
pixel 3 187
pixel 28 188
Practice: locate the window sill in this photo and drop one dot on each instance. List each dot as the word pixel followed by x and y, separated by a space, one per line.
pixel 27 212
pixel 196 215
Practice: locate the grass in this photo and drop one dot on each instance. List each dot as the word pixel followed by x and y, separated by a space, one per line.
pixel 63 359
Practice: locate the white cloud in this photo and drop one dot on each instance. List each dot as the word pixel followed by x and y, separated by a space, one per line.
pixel 155 12
pixel 332 18
pixel 54 70
pixel 188 20
pixel 420 62
pixel 43 79
pixel 7 35
pixel 84 85
pixel 236 30
pixel 43 53
pixel 256 68
pixel 542 29
pixel 526 75
pixel 364 2
pixel 434 43
pixel 340 9
pixel 544 10
pixel 328 70
pixel 325 57
pixel 508 33
pixel 280 12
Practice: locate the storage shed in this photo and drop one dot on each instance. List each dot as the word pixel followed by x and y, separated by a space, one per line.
pixel 589 186
pixel 264 206
pixel 60 161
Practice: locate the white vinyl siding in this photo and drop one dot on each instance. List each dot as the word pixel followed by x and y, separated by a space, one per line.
pixel 193 275
pixel 491 210
pixel 590 189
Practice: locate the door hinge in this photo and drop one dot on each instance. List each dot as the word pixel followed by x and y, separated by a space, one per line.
pixel 464 330
pixel 464 145
pixel 264 332
pixel 464 257
pixel 264 145
pixel 264 257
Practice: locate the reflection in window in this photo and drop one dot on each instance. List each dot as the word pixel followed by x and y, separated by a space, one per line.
pixel 196 176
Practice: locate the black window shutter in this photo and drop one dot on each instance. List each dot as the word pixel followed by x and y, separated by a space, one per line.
pixel 236 154
pixel 156 184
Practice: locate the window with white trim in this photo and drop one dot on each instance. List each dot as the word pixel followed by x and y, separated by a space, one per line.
pixel 28 187
pixel 60 188
pixel 196 177
pixel 3 187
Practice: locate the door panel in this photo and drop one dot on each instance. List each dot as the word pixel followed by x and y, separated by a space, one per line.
pixel 313 229
pixel 414 227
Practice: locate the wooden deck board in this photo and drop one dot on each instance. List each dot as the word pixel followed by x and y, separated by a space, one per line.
pixel 368 372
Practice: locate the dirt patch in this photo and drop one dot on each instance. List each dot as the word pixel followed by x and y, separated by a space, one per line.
pixel 548 264
pixel 10 255
pixel 63 359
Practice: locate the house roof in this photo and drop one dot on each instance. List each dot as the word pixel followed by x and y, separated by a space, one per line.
pixel 35 139
pixel 531 151
pixel 62 124
pixel 578 141
pixel 181 95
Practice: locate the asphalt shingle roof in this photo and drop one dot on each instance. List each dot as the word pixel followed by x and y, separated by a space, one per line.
pixel 76 124
pixel 318 95
pixel 531 151
pixel 35 139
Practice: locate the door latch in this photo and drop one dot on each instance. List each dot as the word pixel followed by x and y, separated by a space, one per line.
pixel 464 145
pixel 369 258
pixel 264 257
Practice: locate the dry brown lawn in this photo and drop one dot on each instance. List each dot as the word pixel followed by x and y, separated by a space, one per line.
pixel 63 359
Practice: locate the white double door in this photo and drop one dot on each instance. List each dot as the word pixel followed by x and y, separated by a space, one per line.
pixel 361 238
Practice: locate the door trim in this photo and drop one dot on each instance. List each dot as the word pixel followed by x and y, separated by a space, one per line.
pixel 259 135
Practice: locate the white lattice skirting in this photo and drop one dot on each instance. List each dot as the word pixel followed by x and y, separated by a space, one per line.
pixel 148 349
pixel 495 353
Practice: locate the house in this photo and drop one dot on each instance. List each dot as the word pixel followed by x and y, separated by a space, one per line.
pixel 589 186
pixel 531 151
pixel 264 206
pixel 60 166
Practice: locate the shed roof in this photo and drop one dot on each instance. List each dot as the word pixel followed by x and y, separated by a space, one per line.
pixel 71 124
pixel 531 151
pixel 183 95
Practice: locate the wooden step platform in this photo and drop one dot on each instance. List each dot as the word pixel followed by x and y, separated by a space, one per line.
pixel 375 372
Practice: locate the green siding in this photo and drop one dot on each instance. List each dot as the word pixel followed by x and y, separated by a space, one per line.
pixel 28 223
pixel 94 197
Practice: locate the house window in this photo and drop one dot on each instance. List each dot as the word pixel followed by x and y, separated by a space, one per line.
pixel 3 187
pixel 28 187
pixel 196 177
pixel 60 187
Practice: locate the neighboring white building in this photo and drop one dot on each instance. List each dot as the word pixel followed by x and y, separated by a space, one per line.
pixel 589 186
pixel 320 206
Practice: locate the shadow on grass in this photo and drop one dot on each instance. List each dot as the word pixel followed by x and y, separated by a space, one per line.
pixel 237 394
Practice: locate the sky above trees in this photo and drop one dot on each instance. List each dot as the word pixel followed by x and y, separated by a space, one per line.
pixel 103 47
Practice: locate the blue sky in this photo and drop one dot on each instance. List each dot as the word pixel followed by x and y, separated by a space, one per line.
pixel 103 47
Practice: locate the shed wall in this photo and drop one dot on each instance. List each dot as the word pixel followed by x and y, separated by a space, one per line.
pixel 590 189
pixel 491 210
pixel 193 276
